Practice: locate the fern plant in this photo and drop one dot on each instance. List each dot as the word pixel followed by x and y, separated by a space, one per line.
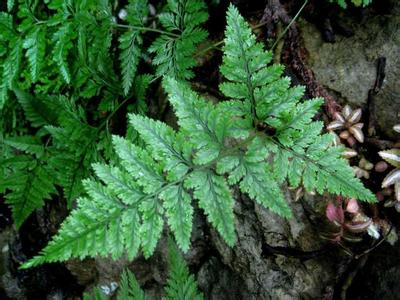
pixel 263 135
pixel 180 285
pixel 31 169
pixel 62 53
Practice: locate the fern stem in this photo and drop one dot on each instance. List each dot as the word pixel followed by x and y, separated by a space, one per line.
pixel 219 43
pixel 147 29
pixel 213 46
pixel 109 117
pixel 289 25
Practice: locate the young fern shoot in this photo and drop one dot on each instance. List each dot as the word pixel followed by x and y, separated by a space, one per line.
pixel 259 138
pixel 180 284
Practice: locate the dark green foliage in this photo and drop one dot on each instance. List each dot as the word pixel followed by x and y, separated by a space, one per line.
pixel 181 285
pixel 27 178
pixel 64 159
pixel 216 147
pixel 62 81
pixel 175 51
pixel 131 41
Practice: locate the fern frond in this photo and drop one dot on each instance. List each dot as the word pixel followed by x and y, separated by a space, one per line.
pixel 205 125
pixel 11 48
pixel 165 145
pixel 260 185
pixel 35 45
pixel 63 43
pixel 179 212
pixel 130 42
pixel 129 288
pixel 72 153
pixel 70 169
pixel 101 225
pixel 298 146
pixel 181 284
pixel 142 167
pixel 28 144
pixel 27 190
pixel 6 25
pixel 130 52
pixel 139 163
pixel 40 110
pixel 12 64
pixel 175 52
pixel 215 198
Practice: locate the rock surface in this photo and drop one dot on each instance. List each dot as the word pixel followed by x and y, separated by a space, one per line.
pixel 266 275
pixel 348 68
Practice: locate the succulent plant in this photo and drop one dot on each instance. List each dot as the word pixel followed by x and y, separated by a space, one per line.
pixel 392 156
pixel 348 122
pixel 363 169
pixel 349 153
pixel 350 220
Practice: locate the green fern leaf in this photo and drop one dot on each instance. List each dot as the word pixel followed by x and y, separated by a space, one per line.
pixel 175 52
pixel 119 183
pixel 72 154
pixel 165 145
pixel 139 163
pixel 63 43
pixel 28 190
pixel 35 45
pixel 179 211
pixel 28 144
pixel 215 198
pixel 101 225
pixel 40 110
pixel 130 42
pixel 129 57
pixel 129 288
pixel 181 284
pixel 12 63
pixel 142 167
pixel 152 225
pixel 205 125
pixel 273 102
pixel 6 24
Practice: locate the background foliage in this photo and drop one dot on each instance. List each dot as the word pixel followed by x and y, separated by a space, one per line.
pixel 63 82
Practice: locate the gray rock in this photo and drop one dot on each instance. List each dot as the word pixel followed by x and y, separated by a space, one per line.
pixel 347 68
pixel 273 276
pixel 8 283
